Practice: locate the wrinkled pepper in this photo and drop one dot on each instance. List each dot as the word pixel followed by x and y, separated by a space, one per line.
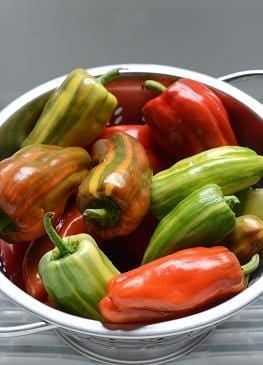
pixel 34 180
pixel 157 158
pixel 115 196
pixel 246 239
pixel 76 112
pixel 71 223
pixel 76 273
pixel 204 216
pixel 174 286
pixel 187 118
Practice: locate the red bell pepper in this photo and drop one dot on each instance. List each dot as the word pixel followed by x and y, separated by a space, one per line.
pixel 71 223
pixel 12 256
pixel 187 118
pixel 173 286
pixel 158 158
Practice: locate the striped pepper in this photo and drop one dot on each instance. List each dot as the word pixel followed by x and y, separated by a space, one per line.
pixel 115 196
pixel 75 274
pixel 34 180
pixel 233 168
pixel 76 113
pixel 203 218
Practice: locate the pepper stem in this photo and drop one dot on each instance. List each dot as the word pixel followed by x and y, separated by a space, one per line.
pixel 251 265
pixel 104 212
pixel 109 76
pixel 54 237
pixel 6 224
pixel 104 217
pixel 154 85
pixel 97 214
pixel 231 200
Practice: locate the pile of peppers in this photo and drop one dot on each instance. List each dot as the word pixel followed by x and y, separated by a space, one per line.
pixel 131 223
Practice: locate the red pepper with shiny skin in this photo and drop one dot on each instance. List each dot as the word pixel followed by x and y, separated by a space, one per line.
pixel 187 118
pixel 176 285
pixel 157 158
pixel 12 256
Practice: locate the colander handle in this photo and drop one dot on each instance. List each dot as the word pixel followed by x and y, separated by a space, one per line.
pixel 241 75
pixel 25 329
pixel 249 81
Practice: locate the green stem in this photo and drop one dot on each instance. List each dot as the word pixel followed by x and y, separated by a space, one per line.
pixel 103 217
pixel 97 214
pixel 54 237
pixel 154 85
pixel 105 212
pixel 6 225
pixel 109 76
pixel 231 200
pixel 252 265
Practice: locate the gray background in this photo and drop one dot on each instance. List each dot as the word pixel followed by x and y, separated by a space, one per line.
pixel 44 39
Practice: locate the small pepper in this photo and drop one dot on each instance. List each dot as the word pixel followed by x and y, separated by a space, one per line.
pixel 246 239
pixel 115 196
pixel 174 286
pixel 157 158
pixel 187 118
pixel 34 180
pixel 71 223
pixel 76 112
pixel 76 273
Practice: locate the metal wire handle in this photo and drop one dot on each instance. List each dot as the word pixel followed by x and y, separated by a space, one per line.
pixel 25 329
pixel 247 74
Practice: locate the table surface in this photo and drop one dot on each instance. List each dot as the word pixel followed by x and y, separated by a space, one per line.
pixel 236 341
pixel 41 40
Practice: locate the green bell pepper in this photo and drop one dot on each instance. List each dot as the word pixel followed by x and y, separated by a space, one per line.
pixel 75 274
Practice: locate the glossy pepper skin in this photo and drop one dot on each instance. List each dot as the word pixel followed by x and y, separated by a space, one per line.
pixel 173 286
pixel 76 273
pixel 125 252
pixel 204 216
pixel 158 159
pixel 12 257
pixel 76 112
pixel 188 118
pixel 233 168
pixel 34 180
pixel 71 223
pixel 115 196
pixel 246 239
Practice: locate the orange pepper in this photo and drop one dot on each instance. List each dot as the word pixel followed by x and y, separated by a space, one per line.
pixel 176 285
